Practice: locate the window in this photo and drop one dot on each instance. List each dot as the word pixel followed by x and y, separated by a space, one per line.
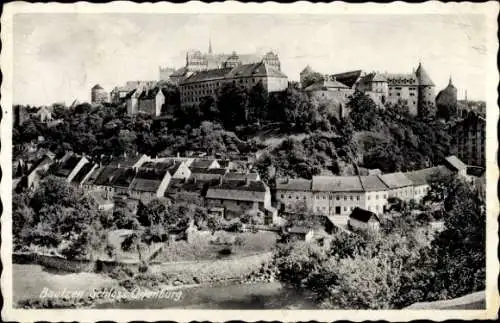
pixel 324 197
pixel 368 198
pixel 345 208
pixel 345 198
pixel 289 196
pixel 337 210
pixel 376 197
pixel 297 197
pixel 351 197
pixel 317 197
pixel 357 197
pixel 282 196
pixel 338 198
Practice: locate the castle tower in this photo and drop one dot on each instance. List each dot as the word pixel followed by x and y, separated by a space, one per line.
pixel 210 46
pixel 426 94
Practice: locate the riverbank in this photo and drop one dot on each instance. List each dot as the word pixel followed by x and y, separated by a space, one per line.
pixel 123 283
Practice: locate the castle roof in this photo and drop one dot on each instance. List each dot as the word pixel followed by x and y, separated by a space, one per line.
pixel 212 74
pixel 374 77
pixel 254 69
pixel 326 85
pixel 423 77
pixel 348 78
pixel 97 87
pixel 402 79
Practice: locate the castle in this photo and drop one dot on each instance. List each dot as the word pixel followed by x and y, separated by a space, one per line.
pixel 196 61
pixel 414 89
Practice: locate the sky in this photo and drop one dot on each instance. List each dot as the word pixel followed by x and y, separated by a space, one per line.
pixel 58 57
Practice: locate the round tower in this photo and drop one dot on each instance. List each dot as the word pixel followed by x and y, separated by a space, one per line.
pixel 98 94
pixel 426 94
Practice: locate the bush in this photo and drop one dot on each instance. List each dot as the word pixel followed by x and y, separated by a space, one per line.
pixel 225 251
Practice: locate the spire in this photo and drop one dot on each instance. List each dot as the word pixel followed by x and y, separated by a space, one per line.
pixel 450 83
pixel 210 45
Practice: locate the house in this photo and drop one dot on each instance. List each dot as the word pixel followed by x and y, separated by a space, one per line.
pixel 399 185
pixel 151 101
pixel 103 203
pixel 207 174
pixel 129 161
pixel 376 193
pixel 44 114
pixel 102 180
pixel 33 176
pixel 337 195
pixel 294 194
pixel 205 163
pixel 421 180
pixel 149 183
pixel 69 167
pixel 237 198
pixel 456 165
pixel 123 180
pixel 241 176
pixel 83 174
pixel 300 233
pixel 361 219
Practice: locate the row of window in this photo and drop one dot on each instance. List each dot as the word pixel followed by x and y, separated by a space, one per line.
pixel 338 198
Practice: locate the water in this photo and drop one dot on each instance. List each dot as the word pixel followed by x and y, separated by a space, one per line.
pixel 225 296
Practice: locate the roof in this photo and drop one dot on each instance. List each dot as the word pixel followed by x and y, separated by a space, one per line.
pixel 362 215
pixel 147 179
pixel 41 162
pixel 348 78
pixel 372 183
pixel 336 184
pixel 179 72
pixel 97 87
pixel 297 184
pixel 395 180
pixel 404 79
pixel 212 74
pixel 374 77
pixel 127 161
pixel 105 176
pixel 423 77
pixel 158 166
pixel 93 176
pixel 422 176
pixel 237 176
pixel 232 190
pixel 66 168
pixel 149 94
pixel 215 171
pixel 455 163
pixel 299 230
pixel 124 177
pixel 325 85
pixel 201 163
pixel 254 69
pixel 83 172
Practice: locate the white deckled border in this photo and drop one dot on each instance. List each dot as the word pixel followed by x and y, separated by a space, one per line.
pixel 490 12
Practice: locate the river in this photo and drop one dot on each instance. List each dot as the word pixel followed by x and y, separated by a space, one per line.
pixel 225 296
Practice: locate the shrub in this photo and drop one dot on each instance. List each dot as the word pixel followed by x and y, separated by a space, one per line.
pixel 225 251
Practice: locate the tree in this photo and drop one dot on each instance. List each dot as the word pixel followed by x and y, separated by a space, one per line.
pixel 312 78
pixel 257 103
pixel 232 103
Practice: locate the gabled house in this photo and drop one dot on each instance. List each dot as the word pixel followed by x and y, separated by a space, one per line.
pixel 44 114
pixel 129 161
pixel 150 183
pixel 151 101
pixel 33 176
pixel 70 167
pixel 207 174
pixel 456 165
pixel 205 163
pixel 399 185
pixel 83 174
pixel 361 219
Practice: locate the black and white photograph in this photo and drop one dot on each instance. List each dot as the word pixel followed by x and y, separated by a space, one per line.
pixel 255 157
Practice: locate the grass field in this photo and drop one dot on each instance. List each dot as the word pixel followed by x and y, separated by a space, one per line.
pixel 202 248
